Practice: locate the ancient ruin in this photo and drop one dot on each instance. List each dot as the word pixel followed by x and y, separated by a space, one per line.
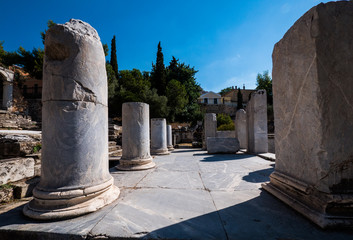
pixel 210 127
pixel 136 137
pixel 159 136
pixel 313 103
pixel 169 138
pixel 6 79
pixel 241 128
pixel 256 119
pixel 75 179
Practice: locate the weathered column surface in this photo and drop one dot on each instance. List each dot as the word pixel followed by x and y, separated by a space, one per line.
pixel 159 136
pixel 313 107
pixel 75 179
pixel 210 127
pixel 7 93
pixel 241 131
pixel 256 114
pixel 169 138
pixel 136 137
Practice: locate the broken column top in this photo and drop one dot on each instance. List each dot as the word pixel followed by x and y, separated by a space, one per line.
pixel 74 64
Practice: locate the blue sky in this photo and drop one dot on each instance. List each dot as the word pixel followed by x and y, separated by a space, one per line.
pixel 228 42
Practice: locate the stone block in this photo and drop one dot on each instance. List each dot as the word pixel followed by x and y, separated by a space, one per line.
pixel 241 131
pixel 24 188
pixel 15 169
pixel 313 110
pixel 6 194
pixel 222 145
pixel 257 122
pixel 210 127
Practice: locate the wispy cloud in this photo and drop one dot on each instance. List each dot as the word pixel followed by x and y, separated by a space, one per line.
pixel 285 8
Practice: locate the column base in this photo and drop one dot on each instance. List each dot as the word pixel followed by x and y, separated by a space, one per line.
pixel 70 204
pixel 170 148
pixel 135 165
pixel 160 151
pixel 325 210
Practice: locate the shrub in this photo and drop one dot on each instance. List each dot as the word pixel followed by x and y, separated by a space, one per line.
pixel 223 119
pixel 226 127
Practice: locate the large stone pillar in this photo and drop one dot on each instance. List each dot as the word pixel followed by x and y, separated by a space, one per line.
pixel 313 107
pixel 210 127
pixel 136 137
pixel 75 179
pixel 169 138
pixel 241 130
pixel 7 96
pixel 159 136
pixel 256 114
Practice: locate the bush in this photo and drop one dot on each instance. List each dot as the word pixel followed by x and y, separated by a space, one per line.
pixel 226 127
pixel 223 119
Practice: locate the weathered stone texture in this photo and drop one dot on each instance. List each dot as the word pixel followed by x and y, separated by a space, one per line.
pixel 14 169
pixel 313 107
pixel 222 145
pixel 241 131
pixel 225 134
pixel 136 137
pixel 210 127
pixel 257 122
pixel 75 126
pixel 169 138
pixel 159 136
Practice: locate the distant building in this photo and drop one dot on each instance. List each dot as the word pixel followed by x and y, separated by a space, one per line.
pixel 231 97
pixel 210 98
pixel 212 102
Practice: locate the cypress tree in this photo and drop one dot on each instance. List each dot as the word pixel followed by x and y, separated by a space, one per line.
pixel 240 100
pixel 113 59
pixel 158 74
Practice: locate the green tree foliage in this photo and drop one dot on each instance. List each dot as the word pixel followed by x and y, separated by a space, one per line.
pixel 30 61
pixel 224 122
pixel 113 58
pixel 264 81
pixel 186 76
pixel 239 100
pixel 105 49
pixel 158 73
pixel 135 87
pixel 2 51
pixel 177 98
pixel 112 81
pixel 158 104
pixel 225 90
pixel 50 23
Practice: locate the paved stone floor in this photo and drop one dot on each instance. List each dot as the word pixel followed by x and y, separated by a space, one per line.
pixel 189 195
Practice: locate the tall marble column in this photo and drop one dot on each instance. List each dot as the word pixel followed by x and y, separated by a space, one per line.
pixel 241 130
pixel 136 137
pixel 210 127
pixel 313 103
pixel 256 114
pixel 169 138
pixel 75 179
pixel 159 136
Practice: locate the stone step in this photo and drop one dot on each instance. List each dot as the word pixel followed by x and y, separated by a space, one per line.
pixel 112 148
pixel 116 153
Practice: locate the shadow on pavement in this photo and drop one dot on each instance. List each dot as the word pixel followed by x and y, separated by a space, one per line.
pixel 259 176
pixel 263 217
pixel 222 157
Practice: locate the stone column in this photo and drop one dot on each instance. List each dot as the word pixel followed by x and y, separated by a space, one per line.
pixel 210 127
pixel 313 107
pixel 159 136
pixel 256 114
pixel 241 130
pixel 169 138
pixel 7 95
pixel 136 137
pixel 75 179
